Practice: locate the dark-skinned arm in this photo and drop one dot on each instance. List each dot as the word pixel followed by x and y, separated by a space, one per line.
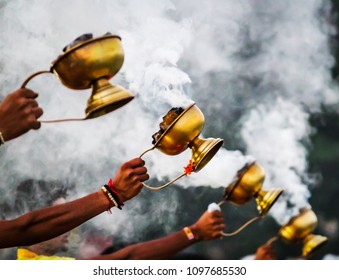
pixel 44 224
pixel 208 227
pixel 47 223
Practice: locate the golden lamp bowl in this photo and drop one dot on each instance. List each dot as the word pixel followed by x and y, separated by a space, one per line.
pixel 247 184
pixel 300 228
pixel 183 133
pixel 90 63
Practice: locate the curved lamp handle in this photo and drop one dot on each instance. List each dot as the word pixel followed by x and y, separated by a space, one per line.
pixel 241 228
pixel 227 234
pixel 271 240
pixel 170 182
pixel 24 84
pixel 34 75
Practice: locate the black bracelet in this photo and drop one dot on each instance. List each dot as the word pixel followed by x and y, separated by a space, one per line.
pixel 115 197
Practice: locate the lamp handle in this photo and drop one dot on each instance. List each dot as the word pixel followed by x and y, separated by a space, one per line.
pixel 24 84
pixel 227 234
pixel 241 228
pixel 271 240
pixel 165 185
pixel 34 75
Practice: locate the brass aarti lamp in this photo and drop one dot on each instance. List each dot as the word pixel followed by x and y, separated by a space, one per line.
pixel 184 133
pixel 246 185
pixel 89 63
pixel 299 229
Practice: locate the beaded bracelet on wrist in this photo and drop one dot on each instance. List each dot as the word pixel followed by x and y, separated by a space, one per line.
pixel 114 196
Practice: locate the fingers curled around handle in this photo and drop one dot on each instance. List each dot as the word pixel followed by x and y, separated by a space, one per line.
pixel 36 125
pixel 134 163
pixel 28 93
pixel 37 112
pixel 143 177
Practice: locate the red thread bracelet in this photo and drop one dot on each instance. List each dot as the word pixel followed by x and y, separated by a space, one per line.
pixel 111 187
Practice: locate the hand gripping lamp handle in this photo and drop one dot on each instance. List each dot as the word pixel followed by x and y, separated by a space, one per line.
pixel 216 207
pixel 24 84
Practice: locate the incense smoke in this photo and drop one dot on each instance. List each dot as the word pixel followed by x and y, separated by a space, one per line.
pixel 256 69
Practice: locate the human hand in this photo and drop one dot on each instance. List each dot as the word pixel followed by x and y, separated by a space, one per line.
pixel 209 226
pixel 19 113
pixel 266 252
pixel 128 180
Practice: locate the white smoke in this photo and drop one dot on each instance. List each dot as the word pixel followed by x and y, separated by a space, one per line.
pixel 270 66
pixel 331 257
pixel 293 68
pixel 268 60
pixel 276 138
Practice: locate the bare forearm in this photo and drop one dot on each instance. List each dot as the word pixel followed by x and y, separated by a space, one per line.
pixel 209 226
pixel 44 224
pixel 162 248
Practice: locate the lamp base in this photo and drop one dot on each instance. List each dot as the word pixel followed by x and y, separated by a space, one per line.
pixel 203 150
pixel 266 199
pixel 313 242
pixel 106 98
